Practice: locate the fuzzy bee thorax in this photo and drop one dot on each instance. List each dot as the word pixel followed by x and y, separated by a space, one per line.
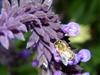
pixel 64 51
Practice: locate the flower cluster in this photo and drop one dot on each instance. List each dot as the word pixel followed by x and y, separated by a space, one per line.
pixel 49 36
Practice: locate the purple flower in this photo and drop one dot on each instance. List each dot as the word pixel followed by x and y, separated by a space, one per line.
pixel 35 63
pixel 84 55
pixel 25 53
pixel 71 29
pixel 55 54
pixel 58 73
pixel 75 60
pixel 85 73
pixel 57 57
pixel 4 41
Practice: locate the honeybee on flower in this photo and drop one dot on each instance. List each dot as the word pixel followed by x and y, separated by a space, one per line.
pixel 64 51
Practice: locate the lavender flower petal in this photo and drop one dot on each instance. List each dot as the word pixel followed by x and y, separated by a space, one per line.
pixel 54 52
pixel 13 11
pixel 35 63
pixel 44 35
pixel 57 57
pixel 48 3
pixel 32 40
pixel 37 1
pixel 4 41
pixel 86 73
pixel 57 73
pixel 6 5
pixel 40 46
pixel 22 27
pixel 43 62
pixel 26 17
pixel 71 29
pixel 54 26
pixel 22 2
pixel 20 36
pixel 47 54
pixel 14 2
pixel 84 55
pixel 25 53
pixel 46 72
pixel 40 14
pixel 39 53
pixel 3 15
pixel 50 32
pixel 75 60
pixel 60 35
pixel 8 34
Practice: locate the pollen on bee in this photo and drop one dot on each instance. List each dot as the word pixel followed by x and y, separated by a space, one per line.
pixel 64 51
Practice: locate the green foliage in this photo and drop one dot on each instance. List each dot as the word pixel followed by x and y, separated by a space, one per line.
pixel 3 70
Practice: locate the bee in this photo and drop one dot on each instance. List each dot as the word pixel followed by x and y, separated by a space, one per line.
pixel 64 51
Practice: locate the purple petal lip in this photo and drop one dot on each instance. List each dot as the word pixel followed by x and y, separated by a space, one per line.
pixel 74 61
pixel 35 63
pixel 86 73
pixel 71 29
pixel 57 73
pixel 84 55
pixel 57 57
pixel 25 53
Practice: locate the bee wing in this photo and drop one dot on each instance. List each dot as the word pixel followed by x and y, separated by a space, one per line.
pixel 64 59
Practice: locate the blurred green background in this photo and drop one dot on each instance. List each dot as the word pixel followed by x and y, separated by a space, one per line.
pixel 87 14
